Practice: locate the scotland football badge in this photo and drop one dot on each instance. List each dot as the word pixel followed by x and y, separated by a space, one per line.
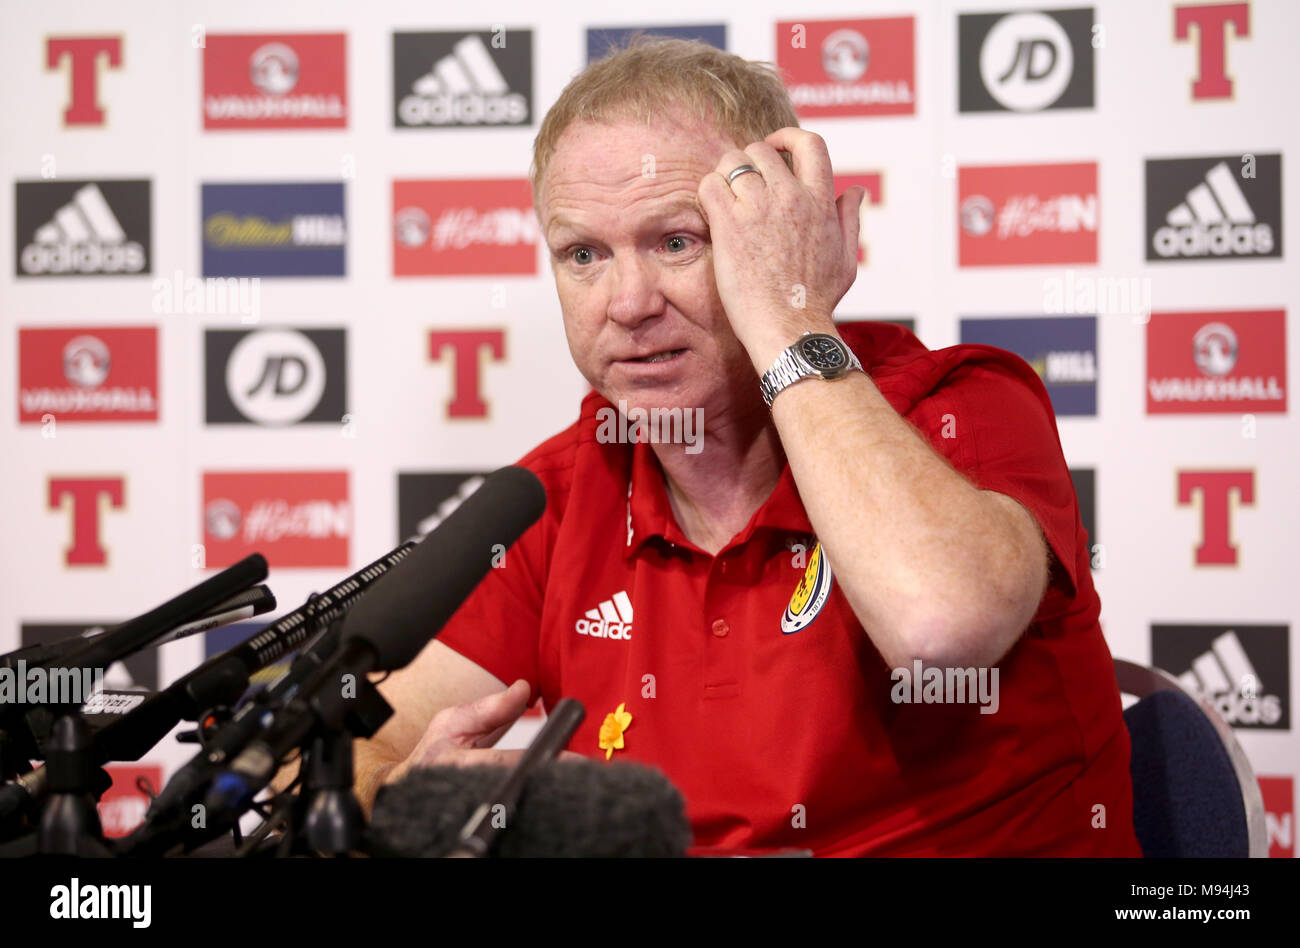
pixel 810 595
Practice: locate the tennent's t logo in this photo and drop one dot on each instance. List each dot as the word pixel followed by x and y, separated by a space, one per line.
pixel 85 508
pixel 1216 547
pixel 1211 20
pixel 83 54
pixel 467 347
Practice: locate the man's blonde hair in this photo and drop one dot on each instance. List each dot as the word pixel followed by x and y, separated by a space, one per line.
pixel 651 75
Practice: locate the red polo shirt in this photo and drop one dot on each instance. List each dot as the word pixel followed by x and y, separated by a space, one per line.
pixel 783 738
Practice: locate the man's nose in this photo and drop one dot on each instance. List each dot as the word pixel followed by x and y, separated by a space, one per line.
pixel 635 296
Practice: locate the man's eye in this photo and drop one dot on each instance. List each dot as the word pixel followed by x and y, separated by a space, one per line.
pixel 582 256
pixel 676 244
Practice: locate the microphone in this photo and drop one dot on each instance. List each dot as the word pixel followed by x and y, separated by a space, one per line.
pixel 251 602
pixel 133 635
pixel 478 835
pixel 219 681
pixel 126 639
pixel 102 708
pixel 222 679
pixel 567 809
pixel 387 629
pixel 446 567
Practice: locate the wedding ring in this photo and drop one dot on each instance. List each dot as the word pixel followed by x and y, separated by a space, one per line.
pixel 741 169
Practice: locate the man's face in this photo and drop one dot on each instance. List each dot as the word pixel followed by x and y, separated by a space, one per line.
pixel 634 267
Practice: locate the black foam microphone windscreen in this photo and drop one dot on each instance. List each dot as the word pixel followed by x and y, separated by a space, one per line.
pixel 568 809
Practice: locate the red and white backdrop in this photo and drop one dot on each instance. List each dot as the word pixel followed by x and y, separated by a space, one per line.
pixel 273 283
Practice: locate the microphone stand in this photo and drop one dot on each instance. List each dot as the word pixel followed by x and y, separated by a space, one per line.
pixel 324 818
pixel 479 834
pixel 331 820
pixel 69 824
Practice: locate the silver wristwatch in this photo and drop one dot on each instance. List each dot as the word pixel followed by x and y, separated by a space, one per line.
pixel 814 355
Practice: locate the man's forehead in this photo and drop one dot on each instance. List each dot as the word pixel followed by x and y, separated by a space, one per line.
pixel 579 213
pixel 676 136
pixel 629 162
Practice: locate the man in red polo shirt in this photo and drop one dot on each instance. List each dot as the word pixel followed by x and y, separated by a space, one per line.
pixel 855 615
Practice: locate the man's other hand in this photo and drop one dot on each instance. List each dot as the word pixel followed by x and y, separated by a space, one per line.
pixel 464 735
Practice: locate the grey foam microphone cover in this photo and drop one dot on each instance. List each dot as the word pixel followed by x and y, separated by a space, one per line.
pixel 567 809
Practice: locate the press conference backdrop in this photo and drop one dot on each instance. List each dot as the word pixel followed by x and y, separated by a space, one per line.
pixel 273 283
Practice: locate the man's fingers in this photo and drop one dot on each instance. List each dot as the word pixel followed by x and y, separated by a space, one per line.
pixel 714 196
pixel 489 714
pixel 769 163
pixel 504 707
pixel 490 739
pixel 811 162
pixel 482 757
pixel 489 757
pixel 849 207
pixel 745 184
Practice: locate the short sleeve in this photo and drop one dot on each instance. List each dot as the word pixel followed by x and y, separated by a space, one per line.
pixel 498 626
pixel 1001 433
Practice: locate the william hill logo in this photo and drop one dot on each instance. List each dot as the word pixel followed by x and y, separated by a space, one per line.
pixel 1061 349
pixel 273 230
pixel 1057 368
pixel 302 230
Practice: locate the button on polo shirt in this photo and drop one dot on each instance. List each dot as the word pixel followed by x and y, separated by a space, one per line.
pixel 796 739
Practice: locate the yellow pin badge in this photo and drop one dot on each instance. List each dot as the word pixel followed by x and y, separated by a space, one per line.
pixel 611 730
pixel 810 595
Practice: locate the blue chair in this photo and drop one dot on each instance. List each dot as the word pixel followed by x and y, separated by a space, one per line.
pixel 1194 792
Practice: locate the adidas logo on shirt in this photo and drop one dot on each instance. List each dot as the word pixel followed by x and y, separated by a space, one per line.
pixel 1213 219
pixel 612 619
pixel 1226 678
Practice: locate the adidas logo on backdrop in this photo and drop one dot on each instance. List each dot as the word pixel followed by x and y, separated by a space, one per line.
pixel 1214 208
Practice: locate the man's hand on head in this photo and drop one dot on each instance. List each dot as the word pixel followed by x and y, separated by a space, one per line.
pixel 785 251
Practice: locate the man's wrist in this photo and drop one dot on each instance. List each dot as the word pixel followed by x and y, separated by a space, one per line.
pixel 378 777
pixel 777 333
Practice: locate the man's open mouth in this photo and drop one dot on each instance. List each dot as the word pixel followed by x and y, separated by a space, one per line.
pixel 658 356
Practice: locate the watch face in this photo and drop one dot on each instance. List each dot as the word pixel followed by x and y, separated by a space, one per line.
pixel 824 353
